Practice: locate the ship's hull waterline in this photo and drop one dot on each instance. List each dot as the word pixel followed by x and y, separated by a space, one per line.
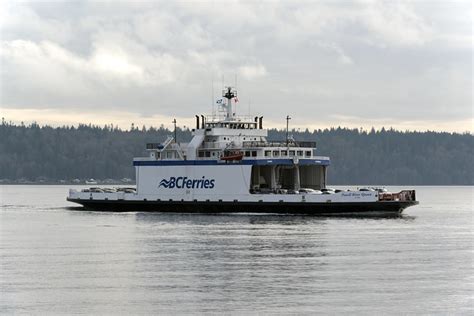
pixel 299 208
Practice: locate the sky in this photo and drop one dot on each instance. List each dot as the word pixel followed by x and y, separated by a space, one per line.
pixel 401 64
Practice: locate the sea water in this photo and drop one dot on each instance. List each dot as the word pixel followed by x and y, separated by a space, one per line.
pixel 57 259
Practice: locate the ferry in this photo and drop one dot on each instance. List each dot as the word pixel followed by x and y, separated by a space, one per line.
pixel 230 166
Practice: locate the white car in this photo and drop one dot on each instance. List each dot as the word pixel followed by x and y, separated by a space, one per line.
pixel 309 191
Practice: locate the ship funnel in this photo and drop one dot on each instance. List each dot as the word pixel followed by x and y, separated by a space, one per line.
pixel 197 121
pixel 260 122
pixel 202 122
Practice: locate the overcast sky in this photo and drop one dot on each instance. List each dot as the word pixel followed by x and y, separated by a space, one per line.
pixel 325 63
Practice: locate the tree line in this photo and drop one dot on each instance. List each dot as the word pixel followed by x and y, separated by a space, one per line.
pixel 373 157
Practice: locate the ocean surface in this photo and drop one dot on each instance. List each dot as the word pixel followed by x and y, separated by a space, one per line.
pixel 55 259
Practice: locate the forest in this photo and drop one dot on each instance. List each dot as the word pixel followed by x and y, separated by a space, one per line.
pixel 45 154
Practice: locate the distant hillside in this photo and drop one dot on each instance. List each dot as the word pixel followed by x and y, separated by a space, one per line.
pixel 358 157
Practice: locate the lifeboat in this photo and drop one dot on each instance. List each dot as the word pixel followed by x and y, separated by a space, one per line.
pixel 232 156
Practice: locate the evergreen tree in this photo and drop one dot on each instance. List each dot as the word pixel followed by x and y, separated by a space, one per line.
pixel 357 156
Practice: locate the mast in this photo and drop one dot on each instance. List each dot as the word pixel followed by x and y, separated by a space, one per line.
pixel 229 94
pixel 288 118
pixel 174 122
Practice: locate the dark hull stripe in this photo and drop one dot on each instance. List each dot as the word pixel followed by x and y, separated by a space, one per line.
pixel 334 208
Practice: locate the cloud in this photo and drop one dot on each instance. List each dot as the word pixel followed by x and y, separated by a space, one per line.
pixel 18 20
pixel 366 61
pixel 54 76
pixel 338 53
pixel 252 71
pixel 395 23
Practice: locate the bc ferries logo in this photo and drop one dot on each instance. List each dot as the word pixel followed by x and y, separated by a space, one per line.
pixel 185 183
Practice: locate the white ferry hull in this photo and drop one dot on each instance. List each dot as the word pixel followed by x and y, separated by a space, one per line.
pixel 194 187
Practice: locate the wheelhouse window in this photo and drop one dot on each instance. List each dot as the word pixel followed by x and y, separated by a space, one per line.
pixel 254 153
pixel 247 154
pixel 208 154
pixel 308 153
pixel 268 153
pixel 284 153
pixel 276 153
pixel 300 153
pixel 292 153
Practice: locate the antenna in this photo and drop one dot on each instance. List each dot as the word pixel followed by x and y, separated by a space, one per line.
pixel 249 107
pixel 212 95
pixel 288 118
pixel 174 122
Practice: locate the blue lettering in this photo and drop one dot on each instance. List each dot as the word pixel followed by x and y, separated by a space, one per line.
pixel 172 182
pixel 189 183
pixel 184 182
pixel 178 181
